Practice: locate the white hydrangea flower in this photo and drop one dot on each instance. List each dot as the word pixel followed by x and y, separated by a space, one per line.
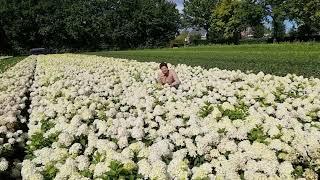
pixel 3 164
pixel 202 171
pixel 178 169
pixel 108 104
pixel 285 169
pixel 83 162
pixel 65 139
pixel 75 148
pixel 158 170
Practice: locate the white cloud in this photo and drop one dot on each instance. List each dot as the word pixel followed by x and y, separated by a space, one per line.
pixel 179 4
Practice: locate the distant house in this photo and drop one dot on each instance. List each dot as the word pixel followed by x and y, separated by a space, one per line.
pixel 195 32
pixel 248 33
pixel 202 32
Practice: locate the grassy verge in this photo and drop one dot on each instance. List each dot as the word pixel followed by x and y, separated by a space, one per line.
pixel 278 59
pixel 9 62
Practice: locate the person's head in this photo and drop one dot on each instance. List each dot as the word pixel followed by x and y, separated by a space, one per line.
pixel 164 68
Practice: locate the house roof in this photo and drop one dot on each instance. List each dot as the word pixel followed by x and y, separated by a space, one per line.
pixel 195 31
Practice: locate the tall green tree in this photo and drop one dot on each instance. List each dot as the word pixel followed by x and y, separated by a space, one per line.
pixel 230 17
pixel 276 9
pixel 306 13
pixel 197 13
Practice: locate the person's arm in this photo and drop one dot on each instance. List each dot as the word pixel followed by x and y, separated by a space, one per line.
pixel 175 78
pixel 159 78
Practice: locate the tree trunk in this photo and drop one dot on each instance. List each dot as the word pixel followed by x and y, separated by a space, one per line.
pixel 4 44
pixel 206 28
pixel 236 37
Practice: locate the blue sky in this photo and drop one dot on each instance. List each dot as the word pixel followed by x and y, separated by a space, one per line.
pixel 180 8
pixel 179 4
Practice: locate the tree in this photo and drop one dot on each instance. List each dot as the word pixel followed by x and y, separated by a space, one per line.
pixel 4 45
pixel 230 17
pixel 68 25
pixel 197 13
pixel 276 9
pixel 258 31
pixel 306 13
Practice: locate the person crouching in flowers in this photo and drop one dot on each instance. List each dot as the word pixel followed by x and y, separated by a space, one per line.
pixel 168 76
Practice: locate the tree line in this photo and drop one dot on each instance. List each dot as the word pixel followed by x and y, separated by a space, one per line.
pixel 225 19
pixel 72 25
pixel 75 25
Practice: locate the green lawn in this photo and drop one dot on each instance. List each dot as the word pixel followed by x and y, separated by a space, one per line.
pixel 9 62
pixel 278 59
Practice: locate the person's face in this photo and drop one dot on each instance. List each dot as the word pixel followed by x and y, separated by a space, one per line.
pixel 164 70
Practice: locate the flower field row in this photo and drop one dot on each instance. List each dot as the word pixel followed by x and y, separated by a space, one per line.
pixel 104 118
pixel 14 86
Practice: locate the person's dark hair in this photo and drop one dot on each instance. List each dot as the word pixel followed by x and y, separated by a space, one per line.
pixel 163 64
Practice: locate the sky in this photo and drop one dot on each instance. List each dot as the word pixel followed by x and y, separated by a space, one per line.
pixel 179 4
pixel 286 22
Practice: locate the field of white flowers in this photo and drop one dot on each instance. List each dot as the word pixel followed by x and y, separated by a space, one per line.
pixel 92 117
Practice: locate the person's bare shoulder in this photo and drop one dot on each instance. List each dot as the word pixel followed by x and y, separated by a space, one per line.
pixel 173 71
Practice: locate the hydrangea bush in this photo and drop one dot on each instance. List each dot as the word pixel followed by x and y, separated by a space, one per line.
pixel 105 118
pixel 14 87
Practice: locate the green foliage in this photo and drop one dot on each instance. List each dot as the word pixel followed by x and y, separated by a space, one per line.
pixel 9 62
pixel 314 114
pixel 256 134
pixel 222 131
pixel 69 25
pixel 196 161
pixel 205 110
pixel 279 94
pixel 102 115
pixel 306 14
pixel 258 31
pixel 226 154
pixel 137 77
pixel 230 17
pixel 179 40
pixel 97 157
pixel 276 9
pixel 197 13
pixel 241 172
pixel 6 151
pixel 82 139
pixel 87 173
pixel 295 92
pixel 239 112
pixel 195 37
pixel 117 171
pixel 50 172
pixel 37 141
pixel 158 102
pixel 298 172
pixel 46 125
pixel 278 136
pixel 280 155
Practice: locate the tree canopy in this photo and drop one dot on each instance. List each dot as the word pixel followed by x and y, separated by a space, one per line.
pixel 225 19
pixel 87 25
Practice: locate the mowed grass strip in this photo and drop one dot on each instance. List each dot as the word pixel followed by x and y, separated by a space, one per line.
pixel 277 59
pixel 9 62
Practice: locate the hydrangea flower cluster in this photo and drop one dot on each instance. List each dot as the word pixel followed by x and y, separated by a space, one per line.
pixel 14 87
pixel 95 117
